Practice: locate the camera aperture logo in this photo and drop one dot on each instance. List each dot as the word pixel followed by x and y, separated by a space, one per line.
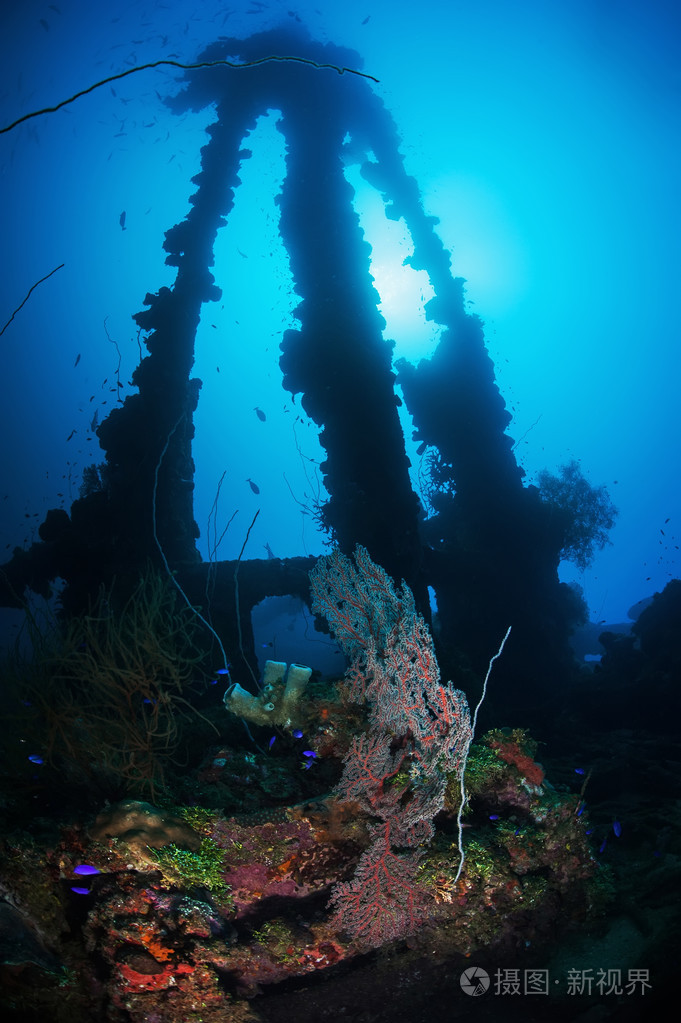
pixel 474 981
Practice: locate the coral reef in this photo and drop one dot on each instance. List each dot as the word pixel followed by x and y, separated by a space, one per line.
pixel 190 914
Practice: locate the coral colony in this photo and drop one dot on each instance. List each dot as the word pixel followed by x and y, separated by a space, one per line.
pixel 419 734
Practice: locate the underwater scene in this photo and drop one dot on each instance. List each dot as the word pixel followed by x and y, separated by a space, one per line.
pixel 340 595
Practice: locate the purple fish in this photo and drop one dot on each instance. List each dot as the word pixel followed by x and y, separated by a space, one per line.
pixel 494 816
pixel 80 891
pixel 617 828
pixel 309 753
pixel 297 734
pixel 86 868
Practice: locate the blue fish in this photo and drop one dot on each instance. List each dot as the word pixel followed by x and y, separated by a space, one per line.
pixel 579 770
pixel 309 753
pixel 297 734
pixel 580 809
pixel 603 845
pixel 617 828
pixel 272 741
pixel 86 868
pixel 260 414
pixel 254 486
pixel 222 671
pixel 80 891
pixel 494 816
pixel 35 759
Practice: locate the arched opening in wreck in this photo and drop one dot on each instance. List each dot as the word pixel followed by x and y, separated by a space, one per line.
pixel 284 630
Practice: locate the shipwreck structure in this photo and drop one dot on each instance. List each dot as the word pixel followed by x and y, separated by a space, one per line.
pixel 490 551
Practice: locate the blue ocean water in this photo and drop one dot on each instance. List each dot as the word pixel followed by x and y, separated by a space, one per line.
pixel 541 135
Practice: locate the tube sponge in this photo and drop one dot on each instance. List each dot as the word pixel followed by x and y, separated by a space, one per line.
pixel 280 701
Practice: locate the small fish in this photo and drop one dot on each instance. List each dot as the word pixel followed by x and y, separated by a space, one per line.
pixel 603 845
pixel 297 734
pixel 272 741
pixel 85 868
pixel 309 753
pixel 77 360
pixel 617 828
pixel 579 770
pixel 80 891
pixel 70 435
pixel 35 759
pixel 222 671
pixel 260 414
pixel 580 809
pixel 254 486
pixel 121 220
pixel 494 816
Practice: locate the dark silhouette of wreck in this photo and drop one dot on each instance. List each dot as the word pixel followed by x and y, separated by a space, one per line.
pixel 490 551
